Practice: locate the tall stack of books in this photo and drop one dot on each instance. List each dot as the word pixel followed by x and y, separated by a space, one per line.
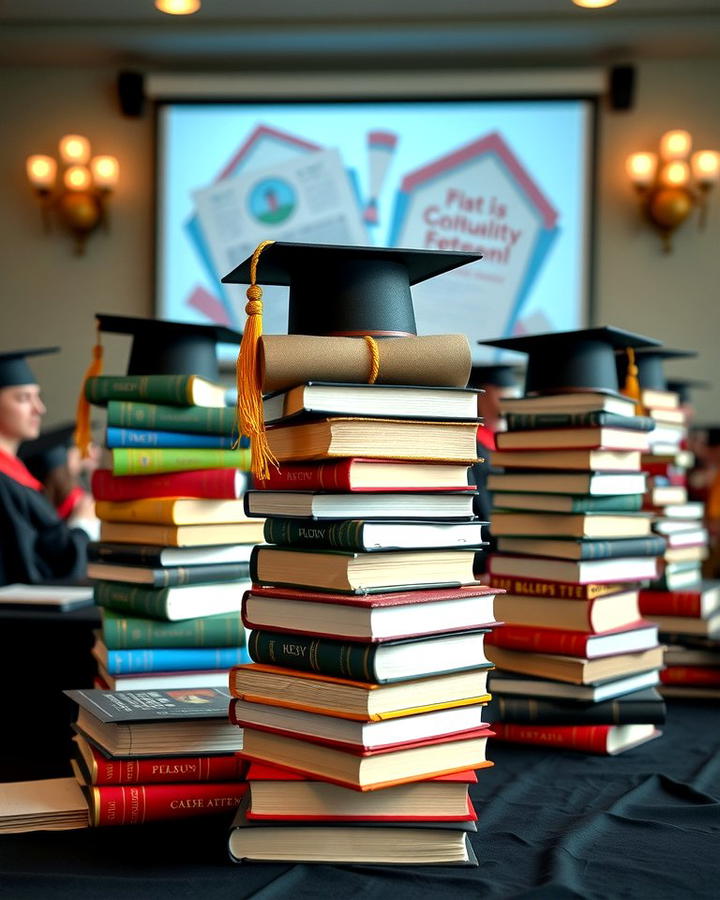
pixel 364 704
pixel 172 560
pixel 685 607
pixel 141 756
pixel 576 663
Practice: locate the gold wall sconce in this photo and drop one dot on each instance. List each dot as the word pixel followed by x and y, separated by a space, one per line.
pixel 80 199
pixel 673 182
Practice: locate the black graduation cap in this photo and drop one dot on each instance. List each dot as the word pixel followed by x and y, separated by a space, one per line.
pixel 499 375
pixel 651 375
pixel 48 451
pixel 338 290
pixel 14 368
pixel 683 386
pixel 170 348
pixel 572 360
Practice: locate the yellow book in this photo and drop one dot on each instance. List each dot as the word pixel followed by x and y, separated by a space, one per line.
pixel 172 511
pixel 249 532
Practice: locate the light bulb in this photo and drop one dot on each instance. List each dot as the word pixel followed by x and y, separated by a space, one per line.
pixel 675 144
pixel 74 149
pixel 41 171
pixel 641 168
pixel 706 166
pixel 105 172
pixel 594 4
pixel 77 178
pixel 178 7
pixel 675 173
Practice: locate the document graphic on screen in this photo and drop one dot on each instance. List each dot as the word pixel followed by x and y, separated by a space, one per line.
pixel 506 179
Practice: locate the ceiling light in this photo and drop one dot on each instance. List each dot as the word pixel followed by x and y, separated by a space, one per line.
pixel 178 7
pixel 594 4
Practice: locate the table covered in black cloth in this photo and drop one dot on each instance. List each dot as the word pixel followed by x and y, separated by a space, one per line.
pixel 551 824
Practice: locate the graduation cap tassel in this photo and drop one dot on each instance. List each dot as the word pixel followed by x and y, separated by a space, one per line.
pixel 250 415
pixel 631 387
pixel 83 434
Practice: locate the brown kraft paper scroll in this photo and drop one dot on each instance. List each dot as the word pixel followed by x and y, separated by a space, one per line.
pixel 286 360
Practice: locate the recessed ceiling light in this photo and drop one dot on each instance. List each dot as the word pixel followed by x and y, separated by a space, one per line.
pixel 178 7
pixel 594 4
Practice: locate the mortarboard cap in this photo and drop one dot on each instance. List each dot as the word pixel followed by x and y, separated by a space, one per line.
pixel 170 348
pixel 572 360
pixel 48 451
pixel 683 386
pixel 14 368
pixel 504 375
pixel 649 361
pixel 348 291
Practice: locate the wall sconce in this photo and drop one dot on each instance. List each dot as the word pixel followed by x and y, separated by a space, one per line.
pixel 80 200
pixel 669 186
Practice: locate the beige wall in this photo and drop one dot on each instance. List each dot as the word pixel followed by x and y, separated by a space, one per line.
pixel 47 295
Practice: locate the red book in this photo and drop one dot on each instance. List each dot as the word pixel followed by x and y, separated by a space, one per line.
pixel 639 636
pixel 367 475
pixel 99 769
pixel 557 590
pixel 603 739
pixel 707 675
pixel 210 484
pixel 134 804
pixel 694 604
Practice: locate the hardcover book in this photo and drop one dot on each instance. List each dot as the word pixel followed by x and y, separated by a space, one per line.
pixel 171 603
pixel 572 403
pixel 213 484
pixel 574 439
pixel 172 511
pixel 153 461
pixel 585 460
pixel 136 437
pixel 559 503
pixel 130 632
pixel 575 420
pixel 558 590
pixel 644 707
pixel 582 572
pixel 587 525
pixel 572 616
pixel 181 535
pixel 166 659
pixel 504 683
pixel 158 557
pixel 701 603
pixel 172 576
pixel 576 670
pixel 203 420
pixel 653 545
pixel 643 636
pixel 134 804
pixel 303 504
pixel 178 390
pixel 604 739
pixel 574 483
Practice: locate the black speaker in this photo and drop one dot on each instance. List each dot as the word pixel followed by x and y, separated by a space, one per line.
pixel 131 93
pixel 622 87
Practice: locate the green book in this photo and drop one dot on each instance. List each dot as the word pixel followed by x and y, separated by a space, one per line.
pixel 177 390
pixel 184 419
pixel 137 461
pixel 129 632
pixel 596 418
pixel 170 603
pixel 556 503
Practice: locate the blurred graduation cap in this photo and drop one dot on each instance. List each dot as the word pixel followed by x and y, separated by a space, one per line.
pixel 14 368
pixel 502 375
pixel 683 386
pixel 573 360
pixel 48 451
pixel 348 291
pixel 170 348
pixel 335 290
pixel 649 361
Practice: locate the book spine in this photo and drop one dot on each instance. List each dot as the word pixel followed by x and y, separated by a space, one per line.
pixel 344 535
pixel 555 590
pixel 209 484
pixel 707 675
pixel 132 437
pixel 131 598
pixel 588 738
pixel 173 659
pixel 616 549
pixel 670 603
pixel 539 640
pixel 153 417
pixel 174 576
pixel 173 389
pixel 131 632
pixel 321 477
pixel 169 459
pixel 340 659
pixel 529 711
pixel 125 554
pixel 135 804
pixel 167 770
pixel 593 419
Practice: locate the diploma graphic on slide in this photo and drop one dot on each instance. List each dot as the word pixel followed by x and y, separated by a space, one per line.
pixel 476 197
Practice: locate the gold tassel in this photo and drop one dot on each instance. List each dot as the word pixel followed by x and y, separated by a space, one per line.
pixel 631 388
pixel 250 415
pixel 83 434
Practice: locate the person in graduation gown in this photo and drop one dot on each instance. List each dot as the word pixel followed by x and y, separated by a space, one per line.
pixel 36 545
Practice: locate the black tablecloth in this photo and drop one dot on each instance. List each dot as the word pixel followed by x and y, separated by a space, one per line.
pixel 551 824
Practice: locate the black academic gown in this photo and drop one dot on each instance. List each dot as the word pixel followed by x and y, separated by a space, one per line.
pixel 35 544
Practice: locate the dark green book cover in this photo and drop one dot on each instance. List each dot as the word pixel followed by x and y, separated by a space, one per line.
pixel 583 504
pixel 175 576
pixel 156 417
pixel 639 708
pixel 132 598
pixel 593 549
pixel 131 632
pixel 594 419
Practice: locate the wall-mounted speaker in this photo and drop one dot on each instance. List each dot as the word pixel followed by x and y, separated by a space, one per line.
pixel 131 93
pixel 622 87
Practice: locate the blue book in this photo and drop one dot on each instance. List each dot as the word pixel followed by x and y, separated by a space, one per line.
pixel 169 659
pixel 136 437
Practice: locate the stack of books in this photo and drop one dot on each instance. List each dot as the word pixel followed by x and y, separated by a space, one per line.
pixel 172 560
pixel 366 695
pixel 150 755
pixel 576 662
pixel 685 607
